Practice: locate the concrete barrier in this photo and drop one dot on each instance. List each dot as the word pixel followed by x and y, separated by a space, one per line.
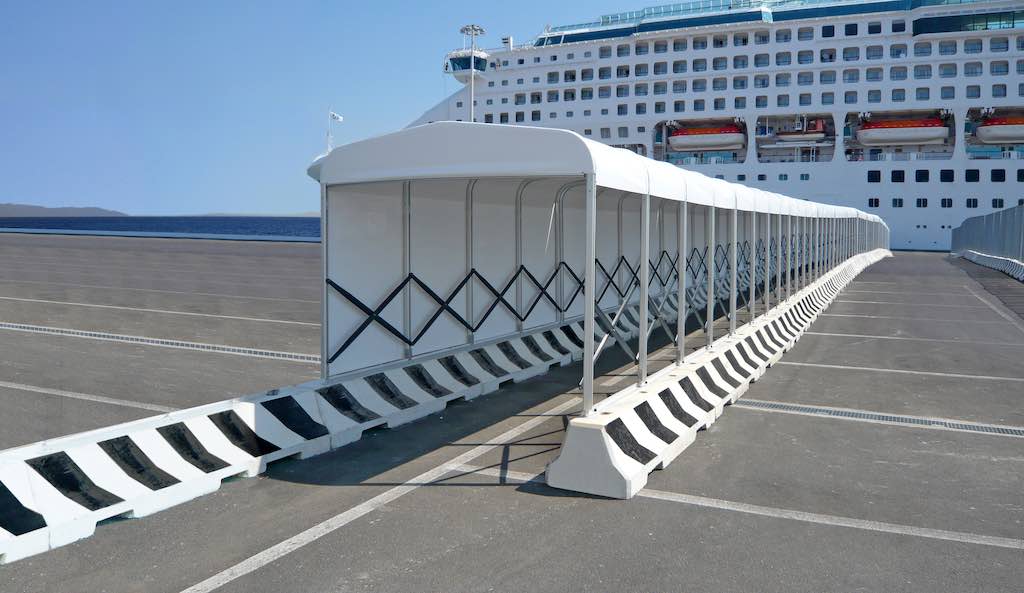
pixel 1009 266
pixel 640 429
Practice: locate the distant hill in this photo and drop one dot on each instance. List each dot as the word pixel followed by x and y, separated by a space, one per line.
pixel 262 214
pixel 29 211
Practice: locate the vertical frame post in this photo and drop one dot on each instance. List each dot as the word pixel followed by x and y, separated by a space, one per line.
pixel 709 238
pixel 681 307
pixel 645 279
pixel 407 262
pixel 324 254
pixel 734 241
pixel 767 262
pixel 790 270
pixel 589 290
pixel 752 296
pixel 778 258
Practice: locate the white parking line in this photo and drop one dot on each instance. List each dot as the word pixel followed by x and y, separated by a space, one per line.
pixel 161 342
pixel 999 311
pixel 160 290
pixel 912 304
pixel 88 397
pixel 161 311
pixel 844 335
pixel 900 371
pixel 778 513
pixel 909 318
pixel 340 520
pixel 929 293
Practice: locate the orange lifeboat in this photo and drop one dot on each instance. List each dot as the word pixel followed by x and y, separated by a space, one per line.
pixel 707 138
pixel 931 130
pixel 1000 130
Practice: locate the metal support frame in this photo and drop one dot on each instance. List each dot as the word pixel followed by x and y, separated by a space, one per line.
pixel 733 248
pixel 681 306
pixel 589 290
pixel 709 238
pixel 752 299
pixel 645 267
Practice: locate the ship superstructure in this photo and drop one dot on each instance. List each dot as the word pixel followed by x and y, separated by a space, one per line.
pixel 909 109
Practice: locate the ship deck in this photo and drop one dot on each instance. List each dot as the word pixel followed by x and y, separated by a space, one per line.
pixel 864 460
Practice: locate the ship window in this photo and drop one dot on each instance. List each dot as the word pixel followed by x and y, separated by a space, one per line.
pixel 872 202
pixel 660 68
pixel 739 82
pixel 622 71
pixel 761 37
pixel 660 88
pixel 972 46
pixel 586 113
pixel 851 54
pixel 640 70
pixel 679 66
pixel 828 31
pixel 1020 66
pixel 519 81
pixel 520 61
pixel 827 77
pixel 874 96
pixel 587 74
pixel 899 95
pixel 622 50
pixel 679 45
pixel 922 71
pixel 874 176
pixel 606 133
pixel 554 58
pixel 850 97
pixel 973 91
pixel 569 76
pixel 897 202
pixel 761 81
pixel 999 90
pixel 946 202
pixel 641 129
pixel 997 202
pixel 899 26
pixel 972 175
pixel 948 92
pixel 679 106
pixel 897 176
pixel 586 94
pixel 641 108
pixel 640 90
pixel 760 101
pixel 805 98
pixel 805 177
pixel 520 116
pixel 604 92
pixel 805 34
pixel 588 132
pixel 972 202
pixel 1020 175
pixel 922 93
pixel 700 85
pixel 552 77
pixel 739 62
pixel 783 58
pixel 741 177
pixel 720 40
pixel 805 57
pixel 1001 68
pixel 1020 201
pixel 922 49
pixel 536 59
pixel 678 86
pixel 805 78
pixel 700 43
pixel 783 177
pixel 782 79
pixel 946 175
pixel 783 36
pixel 761 177
pixel 782 101
pixel 740 103
pixel 622 109
pixel 698 105
pixel 535 98
pixel 998 175
pixel 720 63
pixel 719 104
pixel 659 107
pixel 874 28
pixel 718 84
pixel 827 56
pixel 921 176
pixel 490 83
pixel 947 71
pixel 700 65
pixel 973 69
pixel 535 115
pixel 552 115
pixel 740 40
pixel 851 75
pixel 999 44
pixel 503 118
pixel 947 48
pixel 828 98
pixel 874 52
pixel 642 49
pixel 850 29
pixel 488 118
pixel 569 95
pixel 660 47
pixel 898 51
pixel 760 60
pixel 873 74
pixel 604 52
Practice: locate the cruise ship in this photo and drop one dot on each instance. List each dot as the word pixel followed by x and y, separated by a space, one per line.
pixel 909 109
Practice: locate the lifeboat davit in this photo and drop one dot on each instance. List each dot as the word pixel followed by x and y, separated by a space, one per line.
pixel 1000 130
pixel 930 130
pixel 812 132
pixel 707 138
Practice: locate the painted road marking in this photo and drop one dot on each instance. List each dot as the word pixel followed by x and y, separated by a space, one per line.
pixel 210 294
pixel 88 397
pixel 902 371
pixel 913 304
pixel 999 311
pixel 913 339
pixel 779 513
pixel 340 520
pixel 909 318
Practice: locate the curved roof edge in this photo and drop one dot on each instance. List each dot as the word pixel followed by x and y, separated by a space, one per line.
pixel 467 150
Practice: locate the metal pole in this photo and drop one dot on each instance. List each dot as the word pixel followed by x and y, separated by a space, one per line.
pixel 790 270
pixel 778 258
pixel 681 234
pixel 645 272
pixel 751 300
pixel 733 248
pixel 589 282
pixel 709 239
pixel 766 296
pixel 324 255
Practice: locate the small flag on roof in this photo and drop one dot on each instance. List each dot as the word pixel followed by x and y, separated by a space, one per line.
pixel 336 117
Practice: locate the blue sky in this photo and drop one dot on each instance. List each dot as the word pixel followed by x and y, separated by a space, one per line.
pixel 196 107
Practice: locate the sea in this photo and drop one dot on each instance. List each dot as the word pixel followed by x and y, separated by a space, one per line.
pixel 239 228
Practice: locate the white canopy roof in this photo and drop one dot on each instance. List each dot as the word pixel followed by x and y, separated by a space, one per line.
pixel 472 150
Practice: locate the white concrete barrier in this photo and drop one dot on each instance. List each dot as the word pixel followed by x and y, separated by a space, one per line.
pixel 1009 266
pixel 611 451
